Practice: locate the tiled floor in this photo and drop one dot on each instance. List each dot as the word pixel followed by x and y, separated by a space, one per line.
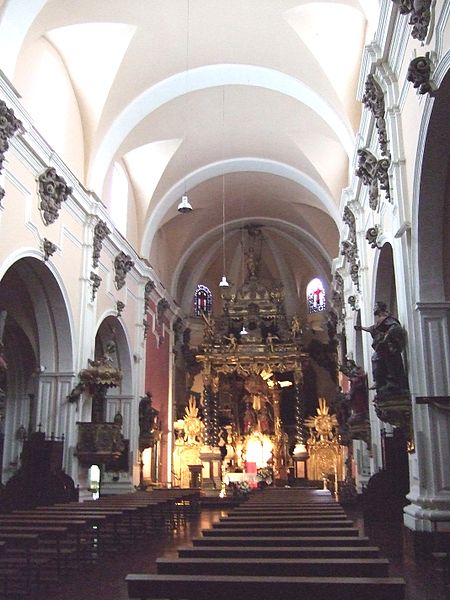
pixel 105 581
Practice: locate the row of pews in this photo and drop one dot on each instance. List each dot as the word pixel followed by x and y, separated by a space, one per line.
pixel 282 544
pixel 42 545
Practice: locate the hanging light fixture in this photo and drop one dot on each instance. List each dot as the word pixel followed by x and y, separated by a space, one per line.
pixel 223 282
pixel 185 206
pixel 243 331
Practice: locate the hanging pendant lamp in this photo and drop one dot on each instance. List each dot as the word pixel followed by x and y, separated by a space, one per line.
pixel 184 206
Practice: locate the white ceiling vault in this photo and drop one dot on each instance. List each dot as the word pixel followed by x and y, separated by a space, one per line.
pixel 250 103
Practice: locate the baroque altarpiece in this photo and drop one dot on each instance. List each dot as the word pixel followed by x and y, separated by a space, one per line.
pixel 234 426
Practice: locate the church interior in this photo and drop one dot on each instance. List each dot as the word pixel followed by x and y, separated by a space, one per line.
pixel 225 268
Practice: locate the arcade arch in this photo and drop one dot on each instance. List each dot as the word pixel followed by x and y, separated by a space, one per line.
pixel 38 352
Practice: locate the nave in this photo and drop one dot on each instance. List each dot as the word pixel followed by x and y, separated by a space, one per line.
pixel 106 579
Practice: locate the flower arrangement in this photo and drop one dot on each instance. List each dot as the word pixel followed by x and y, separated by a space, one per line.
pixel 237 488
pixel 265 474
pixel 243 487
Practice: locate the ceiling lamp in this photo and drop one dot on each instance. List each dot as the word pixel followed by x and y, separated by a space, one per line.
pixel 184 206
pixel 243 331
pixel 223 282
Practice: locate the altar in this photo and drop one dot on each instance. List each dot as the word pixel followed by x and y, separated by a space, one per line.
pixel 248 355
pixel 250 478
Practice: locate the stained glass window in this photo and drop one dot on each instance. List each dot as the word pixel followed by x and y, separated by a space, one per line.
pixel 315 294
pixel 202 301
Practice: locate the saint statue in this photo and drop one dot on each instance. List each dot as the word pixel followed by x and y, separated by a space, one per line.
pixel 359 393
pixel 232 342
pixel 264 419
pixel 295 327
pixel 388 343
pixel 249 420
pixel 270 338
pixel 148 416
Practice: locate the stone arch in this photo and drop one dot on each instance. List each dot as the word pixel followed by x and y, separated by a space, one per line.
pixel 431 211
pixel 38 350
pixel 111 329
pixel 120 399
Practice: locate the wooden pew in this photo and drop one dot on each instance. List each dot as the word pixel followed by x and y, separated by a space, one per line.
pixel 286 542
pixel 245 552
pixel 289 567
pixel 265 523
pixel 286 511
pixel 224 587
pixel 243 532
pixel 19 565
pixel 113 521
pixel 52 535
pixel 79 532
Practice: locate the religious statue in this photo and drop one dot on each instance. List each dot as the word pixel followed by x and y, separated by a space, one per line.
pixel 264 419
pixel 107 358
pixel 359 392
pixel 148 416
pixel 295 327
pixel 233 342
pixel 341 406
pixel 270 338
pixel 388 343
pixel 249 419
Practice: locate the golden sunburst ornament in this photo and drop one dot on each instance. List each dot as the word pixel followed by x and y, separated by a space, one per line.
pixel 323 422
pixel 192 423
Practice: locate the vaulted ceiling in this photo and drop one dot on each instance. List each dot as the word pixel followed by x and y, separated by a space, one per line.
pixel 248 106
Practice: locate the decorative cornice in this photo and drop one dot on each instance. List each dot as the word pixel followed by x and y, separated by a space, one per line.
pixel 372 236
pixel 53 191
pixel 419 74
pixel 420 11
pixel 9 126
pixel 145 325
pixel 49 248
pixel 337 295
pixel 122 265
pixel 373 99
pixel 349 250
pixel 120 307
pixel 349 219
pixel 149 287
pixel 433 307
pixel 373 173
pixel 101 231
pixel 161 308
pixel 96 281
pixel 352 302
pixel 354 274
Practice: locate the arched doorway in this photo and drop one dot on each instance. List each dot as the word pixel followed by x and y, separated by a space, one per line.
pixel 36 334
pixel 431 278
pixel 120 405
